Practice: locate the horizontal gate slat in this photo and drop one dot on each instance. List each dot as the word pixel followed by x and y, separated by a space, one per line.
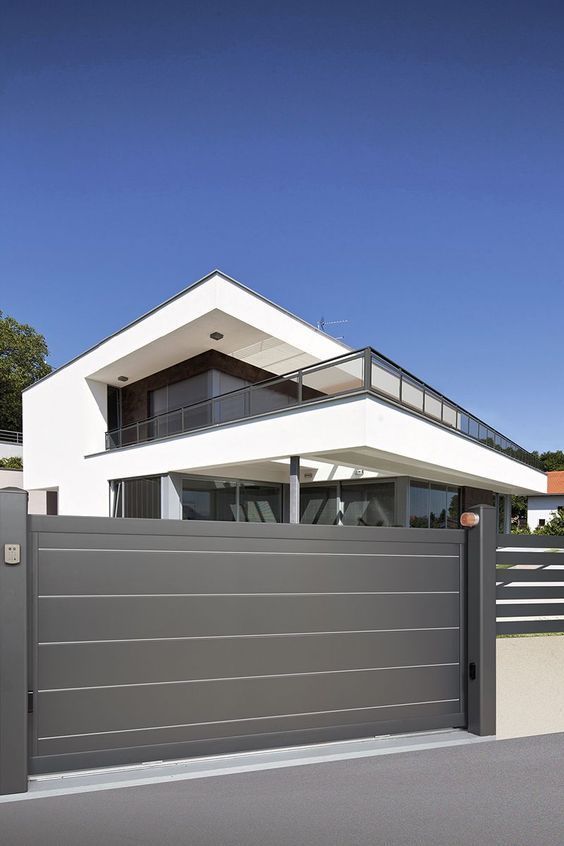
pixel 183 741
pixel 265 544
pixel 529 627
pixel 114 618
pixel 546 592
pixel 531 541
pixel 531 558
pixel 511 574
pixel 530 610
pixel 69 572
pixel 134 662
pixel 118 708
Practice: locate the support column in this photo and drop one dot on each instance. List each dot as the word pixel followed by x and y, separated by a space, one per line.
pixel 171 498
pixel 294 489
pixel 481 621
pixel 13 641
pixel 507 506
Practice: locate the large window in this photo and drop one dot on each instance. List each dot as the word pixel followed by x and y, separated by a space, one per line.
pixel 216 499
pixel 349 503
pixel 137 497
pixel 369 504
pixel 433 506
pixel 319 505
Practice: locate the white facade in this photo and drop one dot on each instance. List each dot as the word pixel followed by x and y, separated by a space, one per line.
pixel 10 450
pixel 337 437
pixel 543 508
pixel 37 502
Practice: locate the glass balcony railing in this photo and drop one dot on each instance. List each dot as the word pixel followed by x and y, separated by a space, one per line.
pixel 361 372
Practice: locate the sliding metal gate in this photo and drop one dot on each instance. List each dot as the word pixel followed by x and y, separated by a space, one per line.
pixel 163 639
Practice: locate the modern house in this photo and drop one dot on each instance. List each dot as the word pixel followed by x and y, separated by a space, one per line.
pixel 221 405
pixel 541 509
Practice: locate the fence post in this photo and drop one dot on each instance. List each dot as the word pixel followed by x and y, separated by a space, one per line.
pixel 481 621
pixel 13 641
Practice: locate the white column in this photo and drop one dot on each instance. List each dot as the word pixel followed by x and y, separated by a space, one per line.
pixel 294 489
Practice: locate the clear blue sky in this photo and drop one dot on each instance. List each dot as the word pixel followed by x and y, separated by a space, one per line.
pixel 399 164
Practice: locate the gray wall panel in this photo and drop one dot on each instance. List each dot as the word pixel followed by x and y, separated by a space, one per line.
pixel 66 572
pixel 117 708
pixel 103 618
pixel 369 717
pixel 138 662
pixel 162 638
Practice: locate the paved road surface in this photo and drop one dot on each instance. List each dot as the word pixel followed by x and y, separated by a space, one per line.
pixel 504 793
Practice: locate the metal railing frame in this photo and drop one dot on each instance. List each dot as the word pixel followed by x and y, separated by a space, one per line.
pixel 9 437
pixel 467 424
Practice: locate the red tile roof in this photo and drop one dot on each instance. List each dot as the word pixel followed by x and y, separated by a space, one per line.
pixel 556 482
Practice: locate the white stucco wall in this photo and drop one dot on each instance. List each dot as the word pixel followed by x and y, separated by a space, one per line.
pixel 37 502
pixel 9 450
pixel 542 508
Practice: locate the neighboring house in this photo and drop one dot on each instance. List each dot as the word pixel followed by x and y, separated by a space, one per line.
pixel 540 509
pixel 40 501
pixel 11 444
pixel 221 405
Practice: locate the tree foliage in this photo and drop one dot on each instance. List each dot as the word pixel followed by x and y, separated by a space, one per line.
pixel 554 526
pixel 552 460
pixel 23 351
pixel 13 462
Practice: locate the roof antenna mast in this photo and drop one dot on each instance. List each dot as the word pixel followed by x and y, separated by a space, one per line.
pixel 322 323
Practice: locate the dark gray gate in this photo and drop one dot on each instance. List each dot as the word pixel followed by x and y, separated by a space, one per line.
pixel 163 639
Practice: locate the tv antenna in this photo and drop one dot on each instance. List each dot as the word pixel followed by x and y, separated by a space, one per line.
pixel 322 323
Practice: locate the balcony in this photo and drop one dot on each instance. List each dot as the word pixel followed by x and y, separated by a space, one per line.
pixel 8 437
pixel 364 372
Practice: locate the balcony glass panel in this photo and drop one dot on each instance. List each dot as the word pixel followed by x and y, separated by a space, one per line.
pixel 432 405
pixel 385 379
pixel 449 415
pixel 231 407
pixel 412 393
pixel 331 379
pixel 274 395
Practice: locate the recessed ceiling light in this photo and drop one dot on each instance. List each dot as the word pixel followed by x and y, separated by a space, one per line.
pixel 123 378
pixel 217 336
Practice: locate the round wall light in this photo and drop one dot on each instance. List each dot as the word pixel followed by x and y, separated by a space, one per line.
pixel 123 378
pixel 468 519
pixel 217 336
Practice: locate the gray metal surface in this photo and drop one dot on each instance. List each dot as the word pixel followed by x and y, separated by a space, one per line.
pixel 161 639
pixel 540 582
pixel 481 622
pixel 13 644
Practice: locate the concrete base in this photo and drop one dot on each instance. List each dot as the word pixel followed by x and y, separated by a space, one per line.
pixel 530 686
pixel 87 781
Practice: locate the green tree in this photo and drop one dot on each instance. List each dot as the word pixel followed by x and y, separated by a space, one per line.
pixel 553 460
pixel 23 351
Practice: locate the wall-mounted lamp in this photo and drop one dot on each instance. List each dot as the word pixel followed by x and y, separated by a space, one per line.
pixel 217 336
pixel 468 519
pixel 123 378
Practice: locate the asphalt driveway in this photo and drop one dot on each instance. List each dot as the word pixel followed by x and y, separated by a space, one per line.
pixel 500 792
